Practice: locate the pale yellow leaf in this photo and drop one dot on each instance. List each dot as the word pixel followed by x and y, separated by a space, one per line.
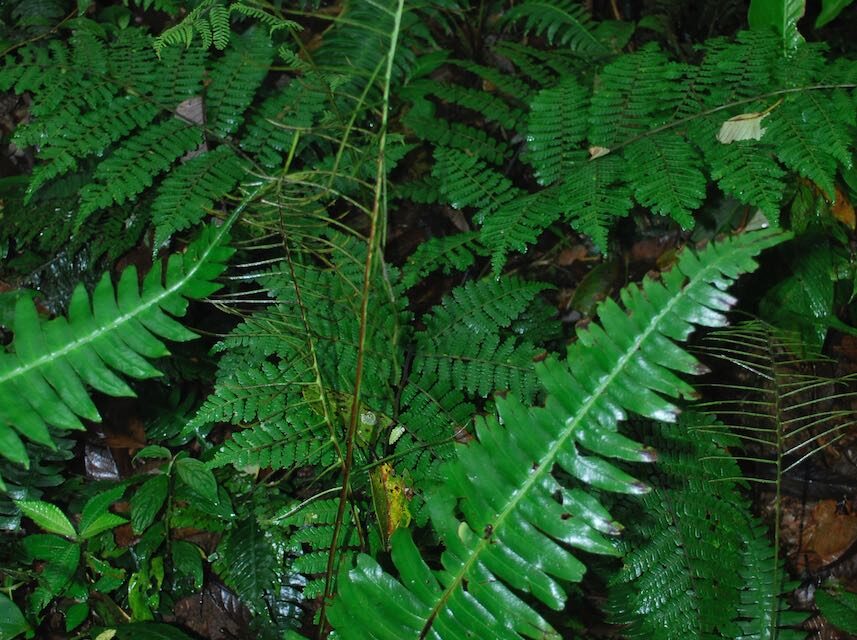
pixel 745 126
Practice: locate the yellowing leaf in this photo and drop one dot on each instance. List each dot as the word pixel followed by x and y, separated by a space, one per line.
pixel 843 210
pixel 390 499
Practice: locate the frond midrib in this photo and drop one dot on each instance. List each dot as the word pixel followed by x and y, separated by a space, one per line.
pixel 546 464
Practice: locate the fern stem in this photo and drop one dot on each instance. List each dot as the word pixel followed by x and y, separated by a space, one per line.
pixel 372 248
pixel 723 107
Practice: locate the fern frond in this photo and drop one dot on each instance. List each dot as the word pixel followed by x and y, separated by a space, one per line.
pixel 234 81
pixel 509 533
pixel 518 223
pixel 678 577
pixel 132 166
pixel 288 113
pixel 294 438
pixel 763 612
pixel 556 129
pixel 116 331
pixel 188 192
pixel 462 344
pixel 455 135
pixel 635 93
pixel 466 181
pixel 796 412
pixel 562 22
pixel 310 540
pixel 274 23
pixel 456 252
pixel 594 195
pixel 487 104
pixel 665 171
pixel 209 20
pixel 95 131
pixel 747 171
pixel 813 135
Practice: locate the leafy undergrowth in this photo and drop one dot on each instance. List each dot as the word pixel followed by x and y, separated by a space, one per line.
pixel 427 319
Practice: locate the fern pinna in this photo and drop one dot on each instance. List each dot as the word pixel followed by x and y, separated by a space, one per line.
pixel 696 564
pixel 488 523
pixel 605 133
pixel 118 330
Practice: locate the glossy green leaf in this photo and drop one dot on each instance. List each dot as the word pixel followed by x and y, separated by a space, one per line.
pixel 187 560
pixel 92 520
pixel 110 334
pixel 12 622
pixel 507 523
pixel 75 615
pixel 198 477
pixel 829 10
pixel 49 517
pixel 840 610
pixel 147 502
pixel 780 15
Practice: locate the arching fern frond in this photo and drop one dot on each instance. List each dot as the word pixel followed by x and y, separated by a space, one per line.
pixel 506 533
pixel 563 22
pixel 466 181
pixel 115 331
pixel 455 252
pixel 189 191
pixel 133 165
pixel 556 129
pixel 234 81
pixel 679 577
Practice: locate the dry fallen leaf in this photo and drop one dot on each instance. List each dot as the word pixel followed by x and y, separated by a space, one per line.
pixel 745 126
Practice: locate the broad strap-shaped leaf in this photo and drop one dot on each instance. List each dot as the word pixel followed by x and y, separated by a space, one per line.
pixel 504 518
pixel 113 332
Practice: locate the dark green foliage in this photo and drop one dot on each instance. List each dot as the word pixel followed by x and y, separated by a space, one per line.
pixel 117 330
pixel 679 576
pixel 336 419
pixel 487 522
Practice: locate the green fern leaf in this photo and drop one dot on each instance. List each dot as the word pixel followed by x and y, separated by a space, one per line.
pixel 594 195
pixel 678 577
pixel 487 104
pixel 186 194
pixel 95 131
pixel 234 81
pixel 462 345
pixel 466 181
pixel 518 223
pixel 813 136
pixel 664 170
pixel 288 113
pixel 503 538
pixel 563 22
pixel 556 129
pixel 635 93
pixel 745 170
pixel 424 123
pixel 456 252
pixel 131 167
pixel 117 331
pixel 280 443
